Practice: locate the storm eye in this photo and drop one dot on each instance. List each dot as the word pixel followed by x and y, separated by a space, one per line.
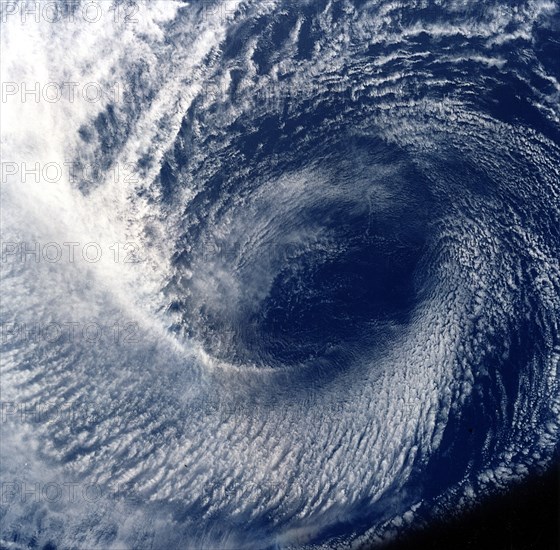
pixel 317 267
pixel 325 305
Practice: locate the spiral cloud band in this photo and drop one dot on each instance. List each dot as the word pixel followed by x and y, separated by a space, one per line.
pixel 322 301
